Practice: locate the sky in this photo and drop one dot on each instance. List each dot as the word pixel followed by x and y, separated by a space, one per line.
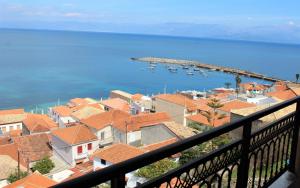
pixel 261 20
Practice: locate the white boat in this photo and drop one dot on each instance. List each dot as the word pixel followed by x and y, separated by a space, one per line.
pixel 189 72
pixel 196 69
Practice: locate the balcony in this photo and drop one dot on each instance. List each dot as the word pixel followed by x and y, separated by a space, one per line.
pixel 261 157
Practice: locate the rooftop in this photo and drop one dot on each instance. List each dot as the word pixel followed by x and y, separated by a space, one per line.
pixel 34 147
pixel 101 120
pixel 116 104
pixel 199 118
pixel 155 146
pixel 179 130
pixel 283 95
pixel 11 116
pixel 235 104
pixel 34 180
pixel 118 153
pixel 75 134
pixel 39 123
pixel 178 99
pixel 134 123
pixel 62 110
pixel 86 112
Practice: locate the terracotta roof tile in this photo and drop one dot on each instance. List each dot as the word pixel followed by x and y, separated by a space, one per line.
pixel 235 104
pixel 34 147
pixel 34 180
pixel 283 95
pixel 62 110
pixel 75 134
pixel 116 104
pixel 11 116
pixel 79 101
pixel 137 97
pixel 101 120
pixel 179 100
pixel 12 151
pixel 199 118
pixel 86 111
pixel 253 86
pixel 4 140
pixel 134 123
pixel 39 123
pixel 118 153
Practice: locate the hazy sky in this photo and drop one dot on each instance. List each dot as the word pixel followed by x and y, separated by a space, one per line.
pixel 270 20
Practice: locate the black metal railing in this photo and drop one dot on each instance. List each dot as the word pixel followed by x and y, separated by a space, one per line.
pixel 256 159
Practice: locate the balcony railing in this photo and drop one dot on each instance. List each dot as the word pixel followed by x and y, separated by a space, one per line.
pixel 256 159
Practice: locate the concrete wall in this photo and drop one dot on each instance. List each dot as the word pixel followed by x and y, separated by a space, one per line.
pixel 155 134
pixel 175 111
pixel 108 137
pixel 62 150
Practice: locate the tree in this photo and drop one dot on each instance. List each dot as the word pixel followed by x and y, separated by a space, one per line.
pixel 195 126
pixel 44 166
pixel 15 176
pixel 238 81
pixel 213 115
pixel 227 85
pixel 156 169
pixel 297 77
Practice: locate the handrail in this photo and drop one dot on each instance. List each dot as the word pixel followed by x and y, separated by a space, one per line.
pixel 130 165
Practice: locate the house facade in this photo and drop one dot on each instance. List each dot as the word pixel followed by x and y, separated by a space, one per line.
pixel 74 144
pixel 11 120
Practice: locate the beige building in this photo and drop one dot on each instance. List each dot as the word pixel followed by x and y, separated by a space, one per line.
pixel 177 106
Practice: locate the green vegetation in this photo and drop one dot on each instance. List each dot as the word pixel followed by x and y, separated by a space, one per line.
pixel 156 169
pixel 213 115
pixel 14 176
pixel 238 81
pixel 44 166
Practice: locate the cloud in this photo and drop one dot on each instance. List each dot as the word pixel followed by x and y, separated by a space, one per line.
pixel 72 14
pixel 291 23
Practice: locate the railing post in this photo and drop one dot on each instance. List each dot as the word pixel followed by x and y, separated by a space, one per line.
pixel 242 176
pixel 118 181
pixel 294 149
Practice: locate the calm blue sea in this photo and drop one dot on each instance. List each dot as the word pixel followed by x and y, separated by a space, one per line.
pixel 40 68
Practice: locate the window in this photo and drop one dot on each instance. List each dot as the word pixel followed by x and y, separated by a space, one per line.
pixel 103 161
pixel 3 129
pixel 89 146
pixel 79 149
pixel 11 128
pixel 102 136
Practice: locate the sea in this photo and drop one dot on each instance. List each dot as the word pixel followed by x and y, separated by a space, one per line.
pixel 40 68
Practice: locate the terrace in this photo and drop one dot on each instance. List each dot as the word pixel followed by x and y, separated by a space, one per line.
pixel 267 156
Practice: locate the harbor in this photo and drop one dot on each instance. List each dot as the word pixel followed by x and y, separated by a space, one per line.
pixel 199 65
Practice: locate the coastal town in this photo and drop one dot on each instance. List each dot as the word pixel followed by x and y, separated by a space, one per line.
pixel 86 135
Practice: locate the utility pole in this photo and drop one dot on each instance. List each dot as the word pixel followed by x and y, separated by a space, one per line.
pixel 125 132
pixel 18 164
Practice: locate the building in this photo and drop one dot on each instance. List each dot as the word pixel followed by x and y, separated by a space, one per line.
pixel 176 105
pixel 253 88
pixel 74 144
pixel 115 104
pixel 128 130
pixel 234 104
pixel 121 95
pixel 61 115
pixel 140 104
pixel 11 120
pixel 34 180
pixel 78 102
pixel 38 123
pixel 9 160
pixel 282 95
pixel 101 125
pixel 34 147
pixel 86 111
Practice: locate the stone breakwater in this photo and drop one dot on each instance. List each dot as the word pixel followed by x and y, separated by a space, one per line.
pixel 207 66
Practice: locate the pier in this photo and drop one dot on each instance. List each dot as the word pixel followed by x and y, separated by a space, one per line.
pixel 207 66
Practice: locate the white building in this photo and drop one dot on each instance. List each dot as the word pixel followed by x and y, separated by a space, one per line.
pixel 61 115
pixel 11 120
pixel 74 144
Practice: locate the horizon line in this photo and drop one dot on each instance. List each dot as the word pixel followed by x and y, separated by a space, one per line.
pixel 154 35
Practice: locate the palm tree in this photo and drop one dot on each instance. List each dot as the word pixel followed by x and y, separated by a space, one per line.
pixel 227 85
pixel 238 81
pixel 297 77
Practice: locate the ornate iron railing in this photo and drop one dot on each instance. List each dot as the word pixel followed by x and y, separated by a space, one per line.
pixel 256 159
